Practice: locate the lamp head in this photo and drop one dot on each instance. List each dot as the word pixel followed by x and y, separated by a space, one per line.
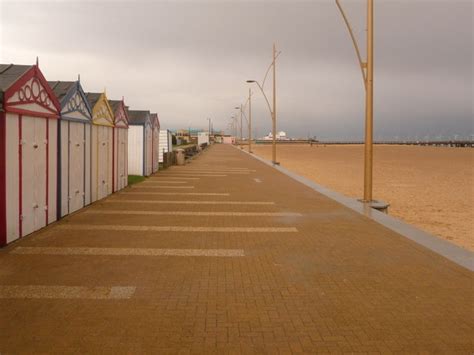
pixel 251 81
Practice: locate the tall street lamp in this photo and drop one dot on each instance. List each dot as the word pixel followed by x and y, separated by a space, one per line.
pixel 272 110
pixel 234 125
pixel 209 130
pixel 247 118
pixel 367 69
pixel 241 137
pixel 250 120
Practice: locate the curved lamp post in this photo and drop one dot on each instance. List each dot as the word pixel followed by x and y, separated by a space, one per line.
pixel 241 137
pixel 247 118
pixel 232 123
pixel 367 69
pixel 272 109
pixel 209 130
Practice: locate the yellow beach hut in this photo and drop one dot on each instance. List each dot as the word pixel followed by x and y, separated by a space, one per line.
pixel 102 145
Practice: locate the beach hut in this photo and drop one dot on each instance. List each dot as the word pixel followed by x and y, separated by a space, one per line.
pixel 156 141
pixel 165 143
pixel 140 135
pixel 102 145
pixel 228 140
pixel 29 113
pixel 120 144
pixel 74 142
pixel 203 138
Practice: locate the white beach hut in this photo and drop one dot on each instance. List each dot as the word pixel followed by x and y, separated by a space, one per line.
pixel 140 136
pixel 203 138
pixel 156 142
pixel 74 153
pixel 120 144
pixel 165 143
pixel 29 113
pixel 102 145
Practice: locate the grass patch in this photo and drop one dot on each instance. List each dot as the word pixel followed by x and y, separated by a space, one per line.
pixel 134 179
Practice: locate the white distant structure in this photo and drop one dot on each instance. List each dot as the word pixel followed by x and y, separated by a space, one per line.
pixel 140 143
pixel 228 140
pixel 280 136
pixel 203 138
pixel 165 143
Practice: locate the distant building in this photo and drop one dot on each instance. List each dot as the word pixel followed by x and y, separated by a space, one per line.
pixel 280 136
pixel 228 139
pixel 203 138
pixel 189 135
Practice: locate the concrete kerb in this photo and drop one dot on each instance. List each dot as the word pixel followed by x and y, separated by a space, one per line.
pixel 454 253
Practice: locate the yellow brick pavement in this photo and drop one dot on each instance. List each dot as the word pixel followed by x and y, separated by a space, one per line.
pixel 218 278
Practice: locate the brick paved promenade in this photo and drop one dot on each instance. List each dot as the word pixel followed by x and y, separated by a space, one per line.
pixel 242 259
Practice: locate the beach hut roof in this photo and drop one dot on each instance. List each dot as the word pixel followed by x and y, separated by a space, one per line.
pixel 10 73
pixel 93 97
pixel 29 84
pixel 156 120
pixel 61 88
pixel 137 117
pixel 115 104
pixel 120 113
pixel 73 100
pixel 102 113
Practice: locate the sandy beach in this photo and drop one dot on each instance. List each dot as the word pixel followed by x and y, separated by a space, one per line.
pixel 429 187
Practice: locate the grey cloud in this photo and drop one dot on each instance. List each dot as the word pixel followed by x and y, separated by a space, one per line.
pixel 189 60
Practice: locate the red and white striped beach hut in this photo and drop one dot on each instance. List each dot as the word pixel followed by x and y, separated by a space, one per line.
pixel 29 113
pixel 120 143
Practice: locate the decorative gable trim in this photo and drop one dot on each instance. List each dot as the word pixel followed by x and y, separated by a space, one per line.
pixel 155 120
pixel 102 113
pixel 75 106
pixel 121 117
pixel 31 95
pixel 148 123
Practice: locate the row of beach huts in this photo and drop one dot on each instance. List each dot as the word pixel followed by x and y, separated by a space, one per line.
pixel 62 148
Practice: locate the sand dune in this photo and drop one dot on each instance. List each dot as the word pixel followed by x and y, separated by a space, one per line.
pixel 429 187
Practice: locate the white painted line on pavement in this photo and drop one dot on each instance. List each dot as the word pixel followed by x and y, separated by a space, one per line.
pixel 152 186
pixel 159 178
pixel 165 182
pixel 127 251
pixel 116 200
pixel 192 175
pixel 174 193
pixel 190 229
pixel 193 213
pixel 63 292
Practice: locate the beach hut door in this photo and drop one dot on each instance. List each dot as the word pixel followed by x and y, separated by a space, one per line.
pixel 33 174
pixel 103 162
pixel 76 187
pixel 122 174
pixel 149 151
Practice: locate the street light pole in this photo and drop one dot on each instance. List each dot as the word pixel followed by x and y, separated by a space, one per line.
pixel 241 137
pixel 367 69
pixel 240 112
pixel 369 115
pixel 250 120
pixel 274 107
pixel 234 126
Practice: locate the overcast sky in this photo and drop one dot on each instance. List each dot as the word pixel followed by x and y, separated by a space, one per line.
pixel 188 60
